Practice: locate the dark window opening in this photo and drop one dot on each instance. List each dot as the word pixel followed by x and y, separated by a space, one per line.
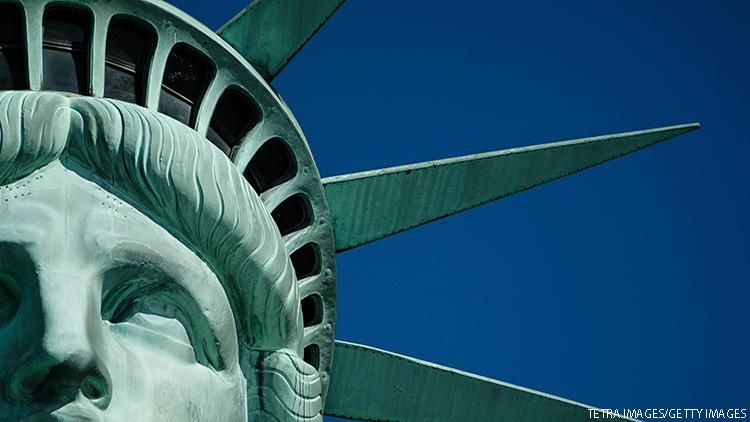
pixel 129 50
pixel 312 310
pixel 186 79
pixel 271 166
pixel 306 261
pixel 293 214
pixel 234 116
pixel 312 355
pixel 12 48
pixel 66 50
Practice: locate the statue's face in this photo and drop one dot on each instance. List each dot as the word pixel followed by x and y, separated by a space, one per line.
pixel 106 316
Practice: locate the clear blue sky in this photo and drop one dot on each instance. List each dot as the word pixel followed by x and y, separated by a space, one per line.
pixel 622 286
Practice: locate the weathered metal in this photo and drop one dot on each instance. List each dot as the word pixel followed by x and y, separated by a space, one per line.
pixel 270 32
pixel 400 388
pixel 229 263
pixel 375 204
pixel 230 70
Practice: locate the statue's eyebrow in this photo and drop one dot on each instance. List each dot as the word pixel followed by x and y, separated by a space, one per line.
pixel 33 223
pixel 193 277
pixel 142 288
pixel 168 260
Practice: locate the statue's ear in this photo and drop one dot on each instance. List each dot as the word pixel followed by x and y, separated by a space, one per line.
pixel 284 387
pixel 34 131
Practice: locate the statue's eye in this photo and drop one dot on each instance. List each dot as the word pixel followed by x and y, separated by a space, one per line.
pixel 159 306
pixel 159 319
pixel 9 299
pixel 16 267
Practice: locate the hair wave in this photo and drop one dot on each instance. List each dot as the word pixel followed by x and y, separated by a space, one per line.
pixel 189 187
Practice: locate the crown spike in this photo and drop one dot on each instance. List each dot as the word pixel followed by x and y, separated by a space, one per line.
pixel 375 204
pixel 268 33
pixel 374 385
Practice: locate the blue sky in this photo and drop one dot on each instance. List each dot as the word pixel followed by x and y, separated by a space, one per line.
pixel 622 286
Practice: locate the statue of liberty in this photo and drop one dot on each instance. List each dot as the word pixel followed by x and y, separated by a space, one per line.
pixel 167 246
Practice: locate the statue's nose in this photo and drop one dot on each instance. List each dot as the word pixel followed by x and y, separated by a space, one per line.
pixel 62 361
pixel 41 381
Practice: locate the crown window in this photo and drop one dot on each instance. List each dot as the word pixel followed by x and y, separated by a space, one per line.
pixel 234 116
pixel 293 214
pixel 12 55
pixel 271 166
pixel 186 79
pixel 312 310
pixel 129 50
pixel 306 261
pixel 67 33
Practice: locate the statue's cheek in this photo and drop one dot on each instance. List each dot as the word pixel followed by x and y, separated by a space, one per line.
pixel 159 373
pixel 145 335
pixel 192 396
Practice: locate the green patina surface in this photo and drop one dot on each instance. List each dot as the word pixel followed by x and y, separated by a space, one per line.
pixel 270 32
pixel 76 155
pixel 375 204
pixel 404 389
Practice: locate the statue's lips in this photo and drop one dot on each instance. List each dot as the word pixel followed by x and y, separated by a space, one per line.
pixel 40 417
pixel 61 416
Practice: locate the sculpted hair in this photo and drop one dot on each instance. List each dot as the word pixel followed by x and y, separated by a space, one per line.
pixel 189 187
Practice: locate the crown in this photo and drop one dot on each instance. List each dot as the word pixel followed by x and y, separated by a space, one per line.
pixel 164 60
pixel 218 84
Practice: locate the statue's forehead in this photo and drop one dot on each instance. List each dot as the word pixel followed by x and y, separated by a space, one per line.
pixel 59 203
pixel 190 188
pixel 66 219
pixel 57 197
pixel 53 182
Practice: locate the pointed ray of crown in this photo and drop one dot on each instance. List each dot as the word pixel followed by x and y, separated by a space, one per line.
pixel 270 32
pixel 375 204
pixel 231 104
pixel 400 388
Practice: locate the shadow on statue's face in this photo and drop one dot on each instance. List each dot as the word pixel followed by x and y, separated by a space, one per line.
pixel 106 316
